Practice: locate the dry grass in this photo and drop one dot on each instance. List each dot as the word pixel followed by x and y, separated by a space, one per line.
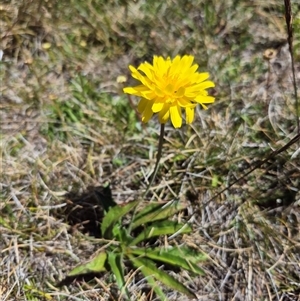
pixel 65 127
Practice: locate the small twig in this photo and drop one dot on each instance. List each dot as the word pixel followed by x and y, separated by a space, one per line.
pixel 289 23
pixel 270 156
pixel 288 17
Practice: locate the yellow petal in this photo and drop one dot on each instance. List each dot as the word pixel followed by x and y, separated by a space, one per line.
pixel 190 112
pixel 204 99
pixel 197 89
pixel 205 85
pixel 135 90
pixel 164 114
pixel 157 107
pixel 180 92
pixel 199 77
pixel 142 105
pixel 134 73
pixel 186 62
pixel 183 102
pixel 147 69
pixel 159 92
pixel 148 94
pixel 175 65
pixel 137 75
pixel 176 118
pixel 147 114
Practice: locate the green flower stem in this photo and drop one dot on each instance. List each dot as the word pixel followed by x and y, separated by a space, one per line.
pixel 159 152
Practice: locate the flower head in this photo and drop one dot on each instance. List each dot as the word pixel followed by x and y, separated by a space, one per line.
pixel 169 85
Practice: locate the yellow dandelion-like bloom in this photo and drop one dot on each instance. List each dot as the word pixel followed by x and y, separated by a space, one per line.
pixel 167 86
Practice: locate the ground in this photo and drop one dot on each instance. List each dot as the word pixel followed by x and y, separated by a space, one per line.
pixel 67 129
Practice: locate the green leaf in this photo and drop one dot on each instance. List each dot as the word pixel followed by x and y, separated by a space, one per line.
pixel 113 216
pixel 95 265
pixel 115 261
pixel 4 223
pixel 214 181
pixel 120 234
pixel 151 207
pixel 155 213
pixel 148 268
pixel 188 253
pixel 153 283
pixel 170 257
pixel 161 228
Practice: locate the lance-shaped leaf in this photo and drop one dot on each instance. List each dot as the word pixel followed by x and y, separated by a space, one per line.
pixel 161 228
pixel 168 256
pixel 155 213
pixel 95 265
pixel 188 253
pixel 151 207
pixel 148 268
pixel 115 263
pixel 153 283
pixel 113 216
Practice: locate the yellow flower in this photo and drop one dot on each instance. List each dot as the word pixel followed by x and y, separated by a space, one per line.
pixel 167 86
